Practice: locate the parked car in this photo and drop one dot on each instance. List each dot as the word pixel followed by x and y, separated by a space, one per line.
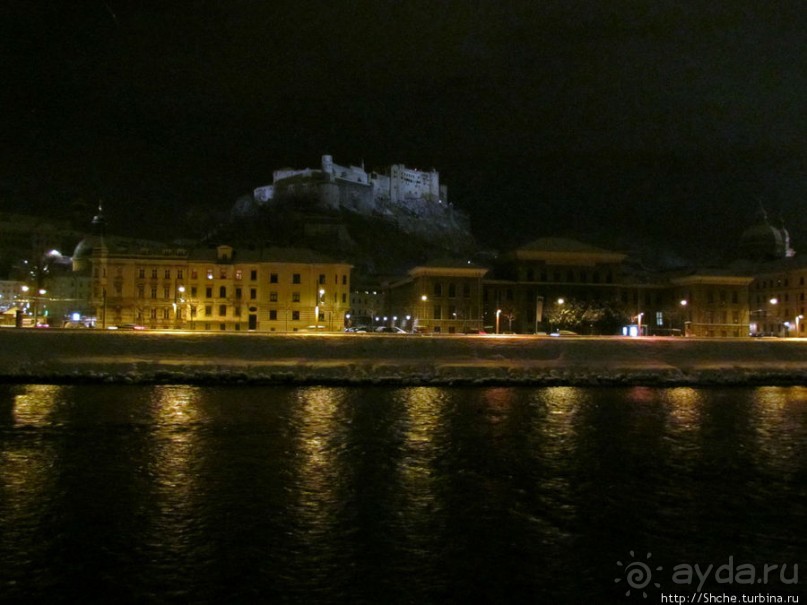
pixel 390 330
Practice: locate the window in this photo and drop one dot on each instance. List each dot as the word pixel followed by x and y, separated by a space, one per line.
pixel 438 289
pixel 141 291
pixel 222 310
pixel 208 292
pixel 179 273
pixel 452 290
pixel 153 313
pixel 222 272
pixel 273 296
pixel 210 274
pixel 237 311
pixel 141 273
pixel 208 310
pixel 154 291
pixel 295 297
pixel 466 290
pixel 273 278
pixel 253 274
pixel 238 274
pixel 295 278
pixel 222 291
pixel 322 278
pixel 273 315
pixel 166 313
pixel 154 273
pixel 166 292
pixel 194 274
pixel 659 318
pixel 238 293
pixel 253 293
pixel 344 298
pixel 168 274
pixel 193 291
pixel 295 315
pixel 438 312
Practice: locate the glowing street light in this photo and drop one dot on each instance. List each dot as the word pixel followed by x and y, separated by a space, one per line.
pixel 498 315
pixel 316 307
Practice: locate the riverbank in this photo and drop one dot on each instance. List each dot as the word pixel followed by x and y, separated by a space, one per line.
pixel 73 356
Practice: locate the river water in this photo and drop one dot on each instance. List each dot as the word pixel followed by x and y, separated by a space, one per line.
pixel 397 495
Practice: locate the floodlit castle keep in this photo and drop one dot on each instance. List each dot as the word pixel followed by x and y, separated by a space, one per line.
pixel 413 200
pixel 354 188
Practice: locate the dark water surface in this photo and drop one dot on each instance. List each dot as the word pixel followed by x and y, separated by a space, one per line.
pixel 395 495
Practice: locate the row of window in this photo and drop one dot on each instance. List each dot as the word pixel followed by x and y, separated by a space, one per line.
pixel 451 312
pixel 452 290
pixel 212 311
pixel 777 283
pixel 237 292
pixel 238 274
pixel 571 276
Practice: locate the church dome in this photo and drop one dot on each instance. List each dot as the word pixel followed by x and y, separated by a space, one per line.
pixel 763 241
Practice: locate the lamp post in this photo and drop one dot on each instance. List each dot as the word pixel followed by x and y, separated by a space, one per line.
pixel 639 324
pixel 684 321
pixel 498 315
pixel 179 300
pixel 20 314
pixel 423 300
pixel 321 293
pixel 775 301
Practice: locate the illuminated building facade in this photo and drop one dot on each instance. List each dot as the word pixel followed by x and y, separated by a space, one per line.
pixel 442 297
pixel 221 289
pixel 778 298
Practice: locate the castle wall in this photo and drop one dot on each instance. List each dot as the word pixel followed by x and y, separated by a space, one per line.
pixel 410 183
pixel 352 174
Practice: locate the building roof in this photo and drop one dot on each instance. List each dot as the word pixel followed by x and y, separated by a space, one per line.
pixel 265 255
pixel 559 249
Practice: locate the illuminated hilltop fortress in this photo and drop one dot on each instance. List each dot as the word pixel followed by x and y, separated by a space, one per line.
pixel 353 188
pixel 413 200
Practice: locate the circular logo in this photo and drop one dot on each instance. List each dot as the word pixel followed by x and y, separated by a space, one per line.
pixel 637 574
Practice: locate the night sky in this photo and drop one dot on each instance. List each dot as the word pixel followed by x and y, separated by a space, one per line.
pixel 614 122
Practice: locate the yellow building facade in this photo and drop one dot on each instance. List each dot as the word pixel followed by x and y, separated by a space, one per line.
pixel 221 289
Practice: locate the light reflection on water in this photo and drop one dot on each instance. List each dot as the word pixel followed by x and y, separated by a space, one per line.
pixel 354 494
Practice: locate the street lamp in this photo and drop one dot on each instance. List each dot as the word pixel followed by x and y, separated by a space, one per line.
pixel 684 304
pixel 24 290
pixel 423 300
pixel 179 299
pixel 316 307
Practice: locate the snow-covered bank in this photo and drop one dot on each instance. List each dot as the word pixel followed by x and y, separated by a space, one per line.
pixel 65 356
